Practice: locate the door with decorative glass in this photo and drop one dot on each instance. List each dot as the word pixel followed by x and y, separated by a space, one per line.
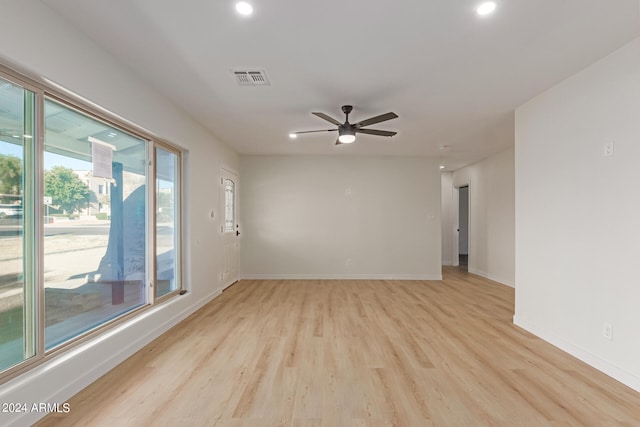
pixel 230 228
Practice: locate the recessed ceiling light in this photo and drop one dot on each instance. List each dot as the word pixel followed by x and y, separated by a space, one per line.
pixel 486 8
pixel 244 8
pixel 441 167
pixel 293 136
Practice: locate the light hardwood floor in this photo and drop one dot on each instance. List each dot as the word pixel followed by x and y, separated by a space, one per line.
pixel 354 353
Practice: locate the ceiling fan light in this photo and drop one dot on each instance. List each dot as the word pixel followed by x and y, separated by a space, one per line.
pixel 346 134
pixel 346 138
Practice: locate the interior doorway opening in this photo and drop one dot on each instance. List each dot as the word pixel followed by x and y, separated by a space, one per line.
pixel 463 227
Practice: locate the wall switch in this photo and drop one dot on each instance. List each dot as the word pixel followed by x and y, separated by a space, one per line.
pixel 607 331
pixel 347 262
pixel 608 149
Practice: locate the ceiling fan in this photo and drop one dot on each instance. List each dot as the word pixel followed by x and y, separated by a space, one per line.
pixel 347 131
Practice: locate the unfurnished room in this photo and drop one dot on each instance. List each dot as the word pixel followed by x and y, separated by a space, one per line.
pixel 322 214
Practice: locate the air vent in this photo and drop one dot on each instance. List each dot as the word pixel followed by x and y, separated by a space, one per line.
pixel 251 77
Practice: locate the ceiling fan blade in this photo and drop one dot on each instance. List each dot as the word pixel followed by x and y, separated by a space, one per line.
pixel 376 119
pixel 313 131
pixel 327 118
pixel 376 132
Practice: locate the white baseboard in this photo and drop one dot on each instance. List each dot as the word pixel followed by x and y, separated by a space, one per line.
pixel 105 361
pixel 587 357
pixel 341 277
pixel 486 275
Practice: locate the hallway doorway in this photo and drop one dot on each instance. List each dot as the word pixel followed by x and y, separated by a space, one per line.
pixel 463 227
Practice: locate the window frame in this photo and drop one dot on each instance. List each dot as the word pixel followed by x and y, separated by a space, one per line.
pixel 149 147
pixel 178 224
pixel 31 231
pixel 33 227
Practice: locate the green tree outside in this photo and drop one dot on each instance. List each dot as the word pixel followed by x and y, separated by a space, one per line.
pixel 66 189
pixel 10 174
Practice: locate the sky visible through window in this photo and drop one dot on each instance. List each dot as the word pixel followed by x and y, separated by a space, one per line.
pixel 50 159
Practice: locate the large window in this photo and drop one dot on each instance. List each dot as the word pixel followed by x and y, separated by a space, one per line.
pixel 17 332
pixel 167 221
pixel 94 262
pixel 89 222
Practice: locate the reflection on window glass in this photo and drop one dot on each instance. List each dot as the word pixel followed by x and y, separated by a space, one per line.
pixel 95 223
pixel 229 208
pixel 17 341
pixel 167 271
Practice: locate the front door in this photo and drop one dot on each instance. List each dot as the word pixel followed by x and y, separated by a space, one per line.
pixel 230 229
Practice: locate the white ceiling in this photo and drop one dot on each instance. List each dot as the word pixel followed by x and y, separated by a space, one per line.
pixel 452 77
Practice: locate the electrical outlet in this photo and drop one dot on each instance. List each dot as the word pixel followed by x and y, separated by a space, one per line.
pixel 607 331
pixel 347 262
pixel 608 149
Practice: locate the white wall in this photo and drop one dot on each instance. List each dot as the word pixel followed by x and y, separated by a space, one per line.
pixel 577 214
pixel 39 42
pixel 491 236
pixel 303 217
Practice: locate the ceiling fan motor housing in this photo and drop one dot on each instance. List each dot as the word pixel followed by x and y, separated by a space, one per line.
pixel 347 109
pixel 347 128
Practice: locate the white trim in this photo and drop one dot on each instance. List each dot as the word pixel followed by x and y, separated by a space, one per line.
pixel 341 277
pixel 589 358
pixel 455 226
pixel 103 364
pixel 491 277
pixel 229 169
pixel 226 285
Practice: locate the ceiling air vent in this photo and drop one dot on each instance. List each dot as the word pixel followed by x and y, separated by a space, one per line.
pixel 251 77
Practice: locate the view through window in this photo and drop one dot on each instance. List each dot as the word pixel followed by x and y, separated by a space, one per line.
pixel 166 221
pixel 80 238
pixel 17 334
pixel 95 244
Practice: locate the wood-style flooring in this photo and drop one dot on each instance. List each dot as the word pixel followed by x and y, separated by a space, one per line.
pixel 339 353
